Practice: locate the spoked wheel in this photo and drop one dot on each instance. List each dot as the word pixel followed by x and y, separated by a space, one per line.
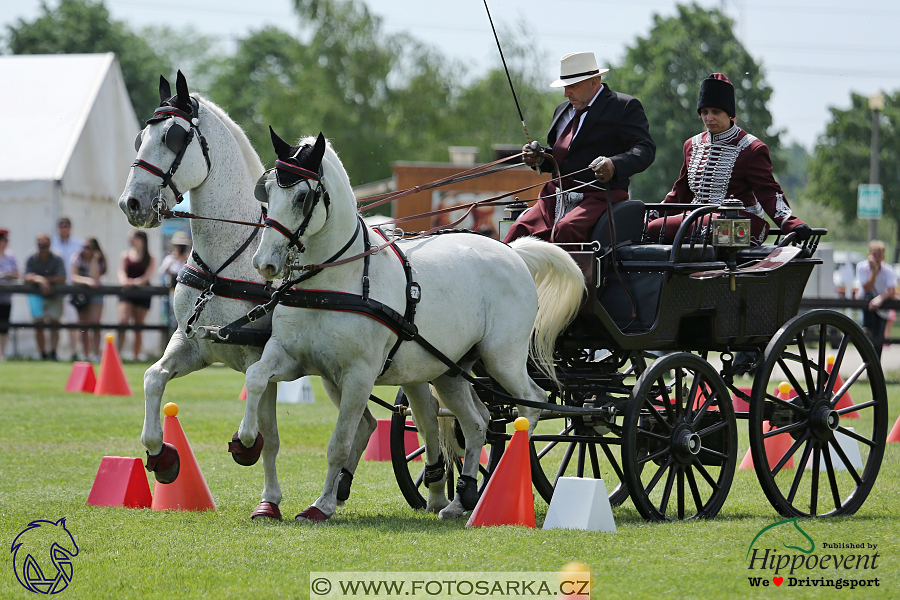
pixel 576 449
pixel 410 472
pixel 811 457
pixel 679 440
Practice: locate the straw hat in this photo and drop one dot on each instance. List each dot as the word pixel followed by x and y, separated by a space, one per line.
pixel 180 238
pixel 575 67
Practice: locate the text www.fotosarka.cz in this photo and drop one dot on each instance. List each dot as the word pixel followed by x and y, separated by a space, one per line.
pixel 447 585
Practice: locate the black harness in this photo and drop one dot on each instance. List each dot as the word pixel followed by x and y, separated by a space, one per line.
pixel 177 139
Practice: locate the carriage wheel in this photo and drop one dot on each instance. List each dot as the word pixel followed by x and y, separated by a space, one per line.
pixel 811 457
pixel 576 456
pixel 679 435
pixel 410 472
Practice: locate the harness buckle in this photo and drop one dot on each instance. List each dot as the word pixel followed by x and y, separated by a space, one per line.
pixel 201 301
pixel 256 313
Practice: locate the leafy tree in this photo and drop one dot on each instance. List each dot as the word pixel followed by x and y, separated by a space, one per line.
pixel 664 71
pixel 84 26
pixel 842 158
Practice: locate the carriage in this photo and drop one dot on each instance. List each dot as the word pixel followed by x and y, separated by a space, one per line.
pixel 672 345
pixel 650 377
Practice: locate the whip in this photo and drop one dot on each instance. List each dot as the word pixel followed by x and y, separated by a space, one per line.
pixel 508 78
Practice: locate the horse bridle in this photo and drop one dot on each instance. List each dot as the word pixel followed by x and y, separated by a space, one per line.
pixel 177 139
pixel 288 172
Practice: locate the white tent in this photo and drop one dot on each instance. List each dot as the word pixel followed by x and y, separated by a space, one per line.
pixel 68 143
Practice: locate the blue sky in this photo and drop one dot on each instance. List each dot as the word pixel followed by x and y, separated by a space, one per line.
pixel 814 53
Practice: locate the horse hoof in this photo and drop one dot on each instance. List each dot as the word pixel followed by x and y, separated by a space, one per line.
pixel 243 455
pixel 311 514
pixel 266 510
pixel 165 465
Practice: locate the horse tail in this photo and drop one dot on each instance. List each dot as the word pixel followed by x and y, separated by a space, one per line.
pixel 560 287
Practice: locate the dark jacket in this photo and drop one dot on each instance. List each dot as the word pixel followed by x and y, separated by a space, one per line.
pixel 614 126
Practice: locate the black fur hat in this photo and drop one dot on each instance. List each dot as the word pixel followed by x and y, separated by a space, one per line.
pixel 717 92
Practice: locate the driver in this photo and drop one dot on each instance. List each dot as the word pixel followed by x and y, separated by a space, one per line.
pixel 726 161
pixel 597 129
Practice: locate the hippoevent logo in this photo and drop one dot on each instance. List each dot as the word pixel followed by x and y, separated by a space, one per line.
pixel 42 556
pixel 783 554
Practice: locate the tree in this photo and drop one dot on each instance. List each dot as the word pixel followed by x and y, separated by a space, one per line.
pixel 664 71
pixel 84 26
pixel 842 158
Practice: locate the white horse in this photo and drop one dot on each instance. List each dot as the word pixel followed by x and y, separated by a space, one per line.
pixel 480 299
pixel 212 158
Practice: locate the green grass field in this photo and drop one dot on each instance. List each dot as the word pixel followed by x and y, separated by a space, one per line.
pixel 53 442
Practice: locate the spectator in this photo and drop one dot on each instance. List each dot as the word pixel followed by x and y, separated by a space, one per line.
pixel 9 273
pixel 136 266
pixel 877 283
pixel 88 266
pixel 65 246
pixel 46 269
pixel 171 266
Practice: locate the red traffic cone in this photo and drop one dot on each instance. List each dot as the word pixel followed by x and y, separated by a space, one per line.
pixel 777 445
pixel 111 381
pixel 507 499
pixel 845 400
pixel 120 481
pixel 379 446
pixel 894 435
pixel 189 491
pixel 243 394
pixel 82 378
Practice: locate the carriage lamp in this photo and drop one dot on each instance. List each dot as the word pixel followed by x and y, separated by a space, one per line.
pixel 511 213
pixel 730 230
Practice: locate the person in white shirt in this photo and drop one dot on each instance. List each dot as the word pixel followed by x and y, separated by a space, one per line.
pixel 877 283
pixel 65 246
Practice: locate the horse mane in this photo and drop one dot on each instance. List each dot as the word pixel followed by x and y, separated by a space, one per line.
pixel 250 155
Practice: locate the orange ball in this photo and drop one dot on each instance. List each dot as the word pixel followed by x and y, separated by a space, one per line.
pixel 521 424
pixel 170 409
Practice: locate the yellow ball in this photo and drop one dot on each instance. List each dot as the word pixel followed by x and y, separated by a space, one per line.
pixel 521 424
pixel 784 387
pixel 110 337
pixel 830 359
pixel 170 409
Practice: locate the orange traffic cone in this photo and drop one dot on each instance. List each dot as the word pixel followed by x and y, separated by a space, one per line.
pixel 120 481
pixel 243 394
pixel 777 445
pixel 574 581
pixel 894 435
pixel 845 400
pixel 82 378
pixel 111 381
pixel 189 491
pixel 507 499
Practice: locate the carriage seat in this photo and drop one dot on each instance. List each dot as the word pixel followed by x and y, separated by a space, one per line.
pixel 629 222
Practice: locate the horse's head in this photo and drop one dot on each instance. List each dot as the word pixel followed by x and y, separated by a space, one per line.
pixel 172 157
pixel 298 202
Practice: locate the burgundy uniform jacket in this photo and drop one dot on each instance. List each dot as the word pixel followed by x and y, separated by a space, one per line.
pixel 733 163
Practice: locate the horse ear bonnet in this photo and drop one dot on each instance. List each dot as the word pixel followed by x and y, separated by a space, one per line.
pixel 259 190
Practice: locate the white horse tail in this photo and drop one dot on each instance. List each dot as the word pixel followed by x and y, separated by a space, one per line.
pixel 560 287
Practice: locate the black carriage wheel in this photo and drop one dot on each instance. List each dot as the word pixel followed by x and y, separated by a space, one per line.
pixel 582 455
pixel 410 473
pixel 816 415
pixel 679 440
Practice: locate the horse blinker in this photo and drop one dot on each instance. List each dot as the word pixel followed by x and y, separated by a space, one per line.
pixel 138 140
pixel 175 137
pixel 259 190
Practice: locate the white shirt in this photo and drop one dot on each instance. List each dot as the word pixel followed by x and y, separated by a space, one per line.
pixel 66 250
pixel 569 114
pixel 884 279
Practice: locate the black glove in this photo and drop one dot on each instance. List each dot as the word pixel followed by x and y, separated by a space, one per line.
pixel 802 232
